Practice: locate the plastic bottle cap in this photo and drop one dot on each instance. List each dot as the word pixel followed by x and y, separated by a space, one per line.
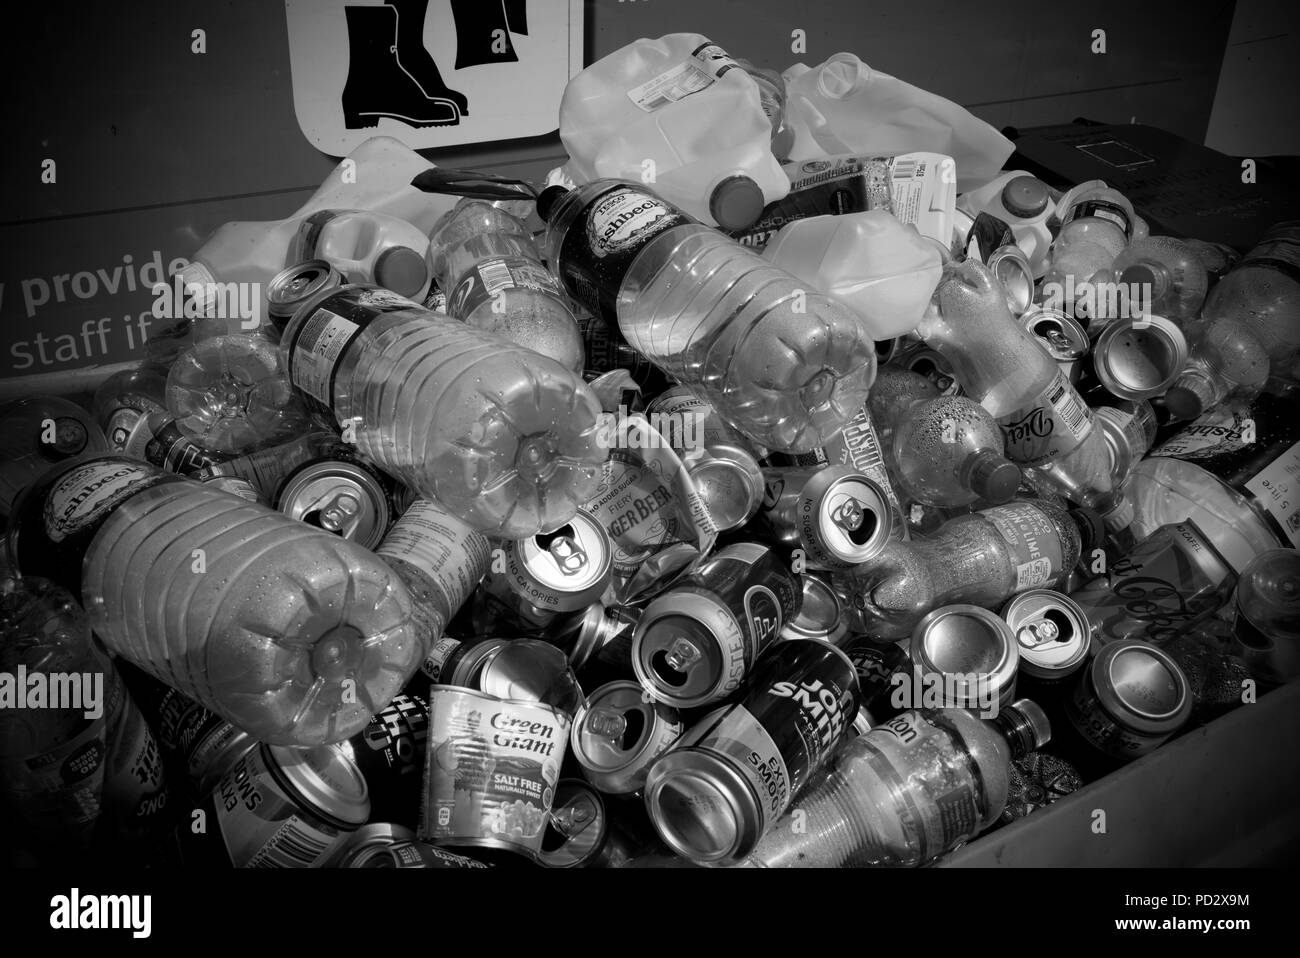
pixel 402 270
pixel 737 202
pixel 783 143
pixel 1025 196
pixel 1140 274
pixel 996 479
pixel 547 200
pixel 1092 529
pixel 1036 719
pixel 1182 404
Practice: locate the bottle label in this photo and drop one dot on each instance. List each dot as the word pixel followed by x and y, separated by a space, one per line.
pixel 171 449
pixel 439 656
pixel 87 493
pixel 1057 422
pixel 441 546
pixel 706 64
pixel 1278 250
pixel 858 445
pixel 944 808
pixel 1216 432
pixel 492 276
pixel 1277 489
pixel 1102 210
pixel 1034 542
pixel 739 736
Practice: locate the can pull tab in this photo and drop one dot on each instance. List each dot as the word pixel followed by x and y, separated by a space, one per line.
pixel 571 820
pixel 849 515
pixel 683 655
pixel 340 512
pixel 568 554
pixel 1034 634
pixel 1058 339
pixel 606 722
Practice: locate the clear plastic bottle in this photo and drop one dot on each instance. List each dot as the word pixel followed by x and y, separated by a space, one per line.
pixel 504 437
pixel 127 396
pixel 1228 360
pixel 366 247
pixel 786 365
pixel 229 394
pixel 896 390
pixel 1129 428
pixel 907 791
pixel 982 559
pixel 36 434
pixel 491 271
pixel 1096 224
pixel 1263 292
pixel 948 452
pixel 1168 274
pixel 291 633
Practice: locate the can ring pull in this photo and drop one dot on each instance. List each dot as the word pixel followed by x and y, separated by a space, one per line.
pixel 683 655
pixel 339 512
pixel 848 514
pixel 606 722
pixel 1034 634
pixel 570 820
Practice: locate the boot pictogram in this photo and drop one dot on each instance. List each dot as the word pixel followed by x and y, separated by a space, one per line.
pixel 483 32
pixel 414 56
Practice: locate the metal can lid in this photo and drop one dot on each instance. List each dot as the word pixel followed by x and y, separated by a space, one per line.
pixel 467 671
pixel 675 654
pixel 1061 335
pixel 854 517
pixel 1011 267
pixel 368 846
pixel 292 286
pixel 1051 630
pixel 614 727
pixel 702 806
pixel 340 497
pixel 1141 686
pixel 577 827
pixel 325 778
pixel 572 564
pixel 1139 358
pixel 967 640
pixel 820 613
pixel 531 670
pixel 730 482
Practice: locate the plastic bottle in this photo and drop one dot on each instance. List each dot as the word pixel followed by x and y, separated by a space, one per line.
pixel 127 396
pixel 772 95
pixel 679 113
pixel 1096 224
pixel 982 558
pixel 1228 360
pixel 884 271
pixel 907 791
pixel 1045 422
pixel 36 434
pixel 366 247
pixel 1263 292
pixel 505 438
pixel 1170 270
pixel 948 452
pixel 786 365
pixel 1129 428
pixel 230 395
pixel 290 633
pixel 896 390
pixel 1025 204
pixel 492 274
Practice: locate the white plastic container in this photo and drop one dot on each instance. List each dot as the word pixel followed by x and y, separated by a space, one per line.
pixel 366 247
pixel 1024 203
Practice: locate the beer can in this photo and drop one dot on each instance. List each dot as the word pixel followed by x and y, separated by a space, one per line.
pixel 1267 607
pixel 453 661
pixel 1011 267
pixel 820 614
pixel 876 664
pixel 292 286
pixel 713 795
pixel 617 735
pixel 836 515
pixel 200 742
pixel 695 643
pixel 967 655
pixel 578 827
pixel 1063 337
pixel 387 845
pixel 280 808
pixel 1052 633
pixel 1139 358
pixel 554 572
pixel 583 634
pixel 1131 699
pixel 345 498
pixel 931 364
pixel 390 753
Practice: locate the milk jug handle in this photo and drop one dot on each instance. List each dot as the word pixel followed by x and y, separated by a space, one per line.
pixel 479 186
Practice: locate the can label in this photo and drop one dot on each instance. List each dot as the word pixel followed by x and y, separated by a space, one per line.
pixel 450 556
pixel 134 782
pixel 1052 425
pixel 858 445
pixel 1277 489
pixel 738 735
pixel 491 771
pixel 492 276
pixel 876 665
pixel 390 752
pixel 1034 541
pixel 706 64
pixel 1101 731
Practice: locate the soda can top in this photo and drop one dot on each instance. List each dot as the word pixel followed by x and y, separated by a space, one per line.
pixel 675 651
pixel 1063 337
pixel 961 641
pixel 530 670
pixel 928 362
pixel 1011 267
pixel 293 285
pixel 730 482
pixel 1141 687
pixel 324 779
pixel 617 726
pixel 1052 631
pixel 368 846
pixel 571 565
pixel 340 497
pixel 820 614
pixel 1139 358
pixel 854 517
pixel 577 827
pixel 469 668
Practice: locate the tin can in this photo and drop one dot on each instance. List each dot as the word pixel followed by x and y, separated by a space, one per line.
pixel 722 467
pixel 1139 358
pixel 820 614
pixel 1011 267
pixel 1130 700
pixel 531 670
pixel 345 498
pixel 617 735
pixel 280 808
pixel 491 772
pixel 1064 338
pixel 294 285
pixel 876 664
pixel 929 363
pixel 390 753
pixel 386 845
pixel 713 795
pixel 585 635
pixel 453 661
pixel 1267 606
pixel 836 515
pixel 1052 633
pixel 578 828
pixel 201 743
pixel 965 654
pixel 554 572
pixel 695 643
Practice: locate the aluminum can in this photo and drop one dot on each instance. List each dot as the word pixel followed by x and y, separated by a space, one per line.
pixel 1130 700
pixel 386 845
pixel 390 753
pixel 820 614
pixel 345 498
pixel 969 653
pixel 617 735
pixel 836 515
pixel 1065 340
pixel 294 285
pixel 1052 633
pixel 1139 358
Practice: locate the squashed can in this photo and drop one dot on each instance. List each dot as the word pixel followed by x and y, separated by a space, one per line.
pixel 491 772
pixel 820 614
pixel 617 735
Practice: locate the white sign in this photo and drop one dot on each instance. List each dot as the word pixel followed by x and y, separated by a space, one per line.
pixel 431 73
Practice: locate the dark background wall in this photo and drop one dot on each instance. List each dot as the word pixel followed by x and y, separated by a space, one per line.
pixel 156 146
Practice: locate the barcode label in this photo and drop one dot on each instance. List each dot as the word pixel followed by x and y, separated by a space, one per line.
pixel 295 845
pixel 670 86
pixel 904 169
pixel 496 276
pixel 1070 408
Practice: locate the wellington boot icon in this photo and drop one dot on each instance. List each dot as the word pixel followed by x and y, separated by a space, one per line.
pixel 391 74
